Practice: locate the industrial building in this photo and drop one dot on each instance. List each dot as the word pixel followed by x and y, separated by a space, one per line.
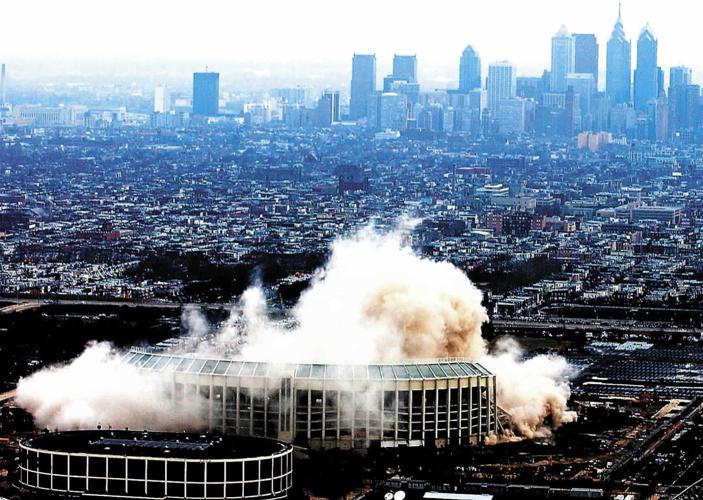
pixel 434 403
pixel 129 464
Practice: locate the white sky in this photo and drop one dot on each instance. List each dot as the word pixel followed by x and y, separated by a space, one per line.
pixel 287 36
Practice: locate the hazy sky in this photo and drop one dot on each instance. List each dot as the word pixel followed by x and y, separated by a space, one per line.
pixel 288 36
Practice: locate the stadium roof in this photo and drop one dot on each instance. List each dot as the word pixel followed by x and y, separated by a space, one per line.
pixel 156 444
pixel 435 369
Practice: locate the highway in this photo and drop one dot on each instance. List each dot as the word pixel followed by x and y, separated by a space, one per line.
pixel 584 325
pixel 24 304
pixel 19 307
pixel 7 396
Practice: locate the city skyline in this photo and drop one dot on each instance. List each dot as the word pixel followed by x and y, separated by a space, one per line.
pixel 319 52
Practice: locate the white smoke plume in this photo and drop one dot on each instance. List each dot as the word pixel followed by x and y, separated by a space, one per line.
pixel 98 388
pixel 535 391
pixel 374 301
pixel 194 322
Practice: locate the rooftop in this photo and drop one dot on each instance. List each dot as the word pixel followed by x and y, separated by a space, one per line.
pixel 192 363
pixel 156 444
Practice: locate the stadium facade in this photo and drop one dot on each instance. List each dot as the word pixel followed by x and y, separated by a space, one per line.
pixel 129 464
pixel 434 403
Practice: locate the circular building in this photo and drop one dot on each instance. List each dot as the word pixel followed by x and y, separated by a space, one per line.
pixel 438 402
pixel 128 464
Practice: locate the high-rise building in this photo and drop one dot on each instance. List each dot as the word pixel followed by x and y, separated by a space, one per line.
pixel 402 86
pixel 563 57
pixel 328 108
pixel 469 70
pixel 291 95
pixel 661 91
pixel 477 104
pixel 586 55
pixel 684 107
pixel 661 119
pixel 162 100
pixel 391 111
pixel 646 73
pixel 501 84
pixel 529 87
pixel 363 84
pixel 511 116
pixel 618 65
pixel 680 75
pixel 206 93
pixel 2 86
pixel 405 68
pixel 584 85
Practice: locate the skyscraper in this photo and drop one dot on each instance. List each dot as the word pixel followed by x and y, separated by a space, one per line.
pixel 162 100
pixel 363 84
pixel 469 70
pixel 646 73
pixel 405 68
pixel 393 111
pixel 328 108
pixel 562 59
pixel 684 107
pixel 511 116
pixel 2 86
pixel 501 84
pixel 680 75
pixel 618 65
pixel 584 85
pixel 586 55
pixel 206 93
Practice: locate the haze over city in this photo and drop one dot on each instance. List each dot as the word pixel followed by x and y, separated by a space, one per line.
pixel 366 250
pixel 311 42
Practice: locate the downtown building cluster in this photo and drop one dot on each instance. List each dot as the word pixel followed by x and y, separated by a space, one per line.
pixel 629 95
pixel 566 100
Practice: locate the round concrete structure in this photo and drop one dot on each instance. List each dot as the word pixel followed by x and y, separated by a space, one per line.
pixel 438 402
pixel 128 464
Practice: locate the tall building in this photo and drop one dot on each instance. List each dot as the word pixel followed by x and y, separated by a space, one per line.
pixel 291 95
pixel 646 73
pixel 563 56
pixel 206 93
pixel 393 112
pixel 618 65
pixel 501 84
pixel 476 105
pixel 402 86
pixel 586 55
pixel 680 75
pixel 469 70
pixel 363 84
pixel 584 85
pixel 2 86
pixel 661 119
pixel 162 100
pixel 405 68
pixel 684 107
pixel 328 108
pixel 511 116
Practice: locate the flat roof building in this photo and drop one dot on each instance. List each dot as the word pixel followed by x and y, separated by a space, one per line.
pixel 130 464
pixel 415 403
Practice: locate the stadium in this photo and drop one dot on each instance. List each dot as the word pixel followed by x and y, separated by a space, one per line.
pixel 320 406
pixel 128 464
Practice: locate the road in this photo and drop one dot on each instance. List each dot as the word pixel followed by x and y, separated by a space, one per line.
pixel 7 396
pixel 506 325
pixel 19 307
pixel 23 304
